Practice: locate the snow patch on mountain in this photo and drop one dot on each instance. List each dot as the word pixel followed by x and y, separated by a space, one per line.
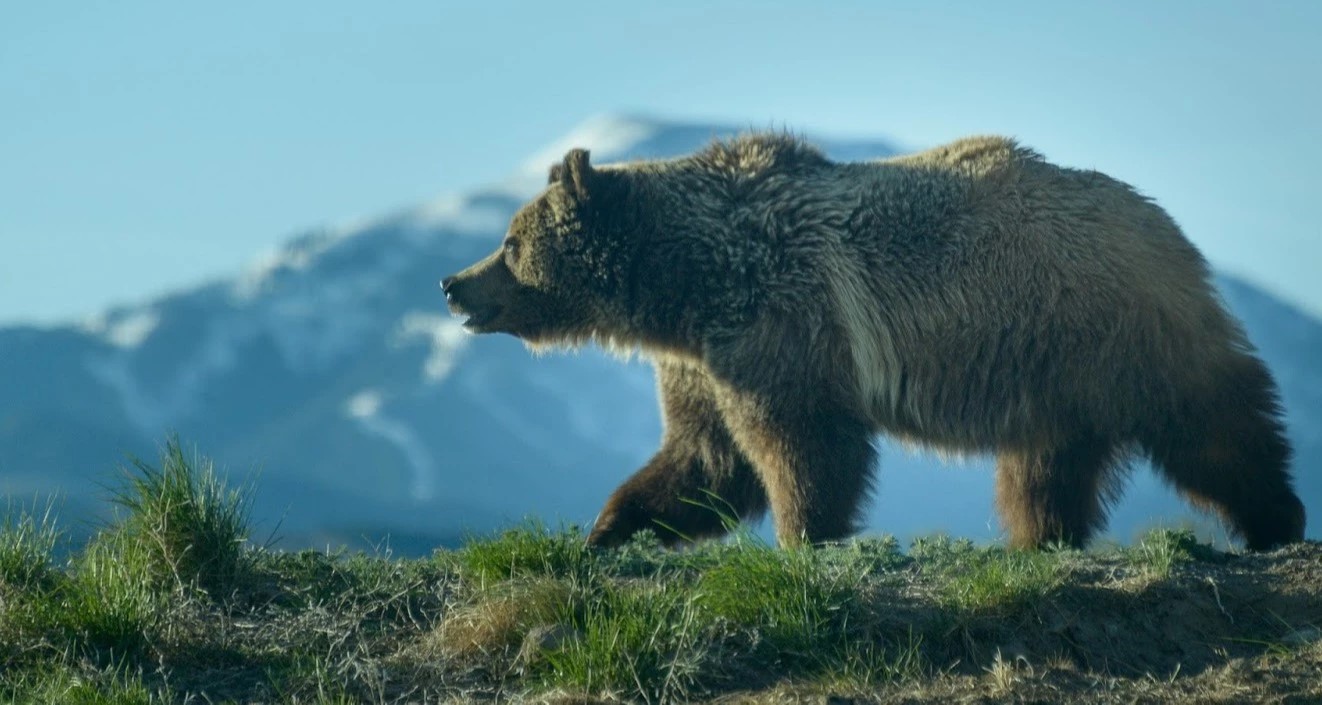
pixel 365 408
pixel 144 413
pixel 466 215
pixel 319 299
pixel 608 136
pixel 125 330
pixel 269 267
pixel 155 413
pixel 315 323
pixel 317 320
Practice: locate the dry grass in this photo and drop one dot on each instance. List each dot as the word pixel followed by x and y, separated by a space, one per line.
pixel 497 622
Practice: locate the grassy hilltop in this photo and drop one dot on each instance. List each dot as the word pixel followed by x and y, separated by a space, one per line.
pixel 173 602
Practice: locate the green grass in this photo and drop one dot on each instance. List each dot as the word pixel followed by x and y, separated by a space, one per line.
pixel 180 530
pixel 999 581
pixel 1160 551
pixel 524 551
pixel 72 686
pixel 662 625
pixel 616 633
pixel 27 539
pixel 193 529
pixel 980 581
pixel 107 607
pixel 307 678
pixel 648 640
pixel 170 601
pixel 795 599
pixel 861 666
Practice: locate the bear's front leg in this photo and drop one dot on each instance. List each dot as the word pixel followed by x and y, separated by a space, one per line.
pixel 784 402
pixel 694 482
pixel 814 460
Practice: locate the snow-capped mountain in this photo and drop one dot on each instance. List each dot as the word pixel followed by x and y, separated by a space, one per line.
pixel 330 373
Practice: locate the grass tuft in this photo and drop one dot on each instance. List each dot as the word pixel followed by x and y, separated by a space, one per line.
pixel 193 529
pixel 27 540
pixel 644 640
pixel 306 678
pixel 1002 581
pixel 107 607
pixel 863 665
pixel 989 580
pixel 795 599
pixel 498 622
pixel 1161 550
pixel 524 551
pixel 70 685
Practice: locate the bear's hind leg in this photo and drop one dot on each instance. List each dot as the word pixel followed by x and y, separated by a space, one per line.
pixel 695 482
pixel 1229 454
pixel 1057 495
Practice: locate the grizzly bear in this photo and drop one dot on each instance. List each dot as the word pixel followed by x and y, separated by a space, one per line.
pixel 971 298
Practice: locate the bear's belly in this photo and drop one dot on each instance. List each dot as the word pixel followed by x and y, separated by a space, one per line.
pixel 951 413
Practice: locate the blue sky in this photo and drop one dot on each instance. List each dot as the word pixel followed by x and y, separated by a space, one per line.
pixel 150 145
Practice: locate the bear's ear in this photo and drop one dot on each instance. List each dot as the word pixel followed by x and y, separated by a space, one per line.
pixel 574 173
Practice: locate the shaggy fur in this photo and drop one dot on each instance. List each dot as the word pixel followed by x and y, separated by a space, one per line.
pixel 968 298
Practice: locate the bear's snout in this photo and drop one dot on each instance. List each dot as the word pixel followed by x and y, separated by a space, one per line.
pixel 458 296
pixel 450 286
pixel 481 293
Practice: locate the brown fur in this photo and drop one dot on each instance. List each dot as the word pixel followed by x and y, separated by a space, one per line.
pixel 969 298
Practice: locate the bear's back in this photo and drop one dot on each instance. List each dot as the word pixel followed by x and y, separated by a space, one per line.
pixel 974 156
pixel 987 272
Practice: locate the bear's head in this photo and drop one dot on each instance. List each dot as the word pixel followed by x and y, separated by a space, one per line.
pixel 555 276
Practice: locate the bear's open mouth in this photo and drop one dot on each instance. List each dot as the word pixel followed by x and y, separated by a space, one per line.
pixel 479 319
